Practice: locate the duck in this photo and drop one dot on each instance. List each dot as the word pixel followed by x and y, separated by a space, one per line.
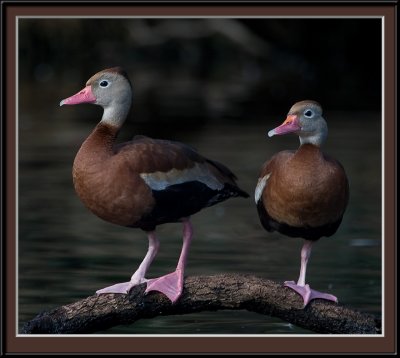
pixel 303 193
pixel 145 182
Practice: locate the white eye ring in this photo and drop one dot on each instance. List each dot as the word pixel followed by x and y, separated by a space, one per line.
pixel 104 83
pixel 309 113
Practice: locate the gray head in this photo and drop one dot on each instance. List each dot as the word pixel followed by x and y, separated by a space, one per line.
pixel 304 119
pixel 110 89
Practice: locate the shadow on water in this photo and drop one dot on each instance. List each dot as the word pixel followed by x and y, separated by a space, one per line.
pixel 65 253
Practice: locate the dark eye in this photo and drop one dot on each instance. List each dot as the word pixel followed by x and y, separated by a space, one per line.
pixel 104 84
pixel 308 113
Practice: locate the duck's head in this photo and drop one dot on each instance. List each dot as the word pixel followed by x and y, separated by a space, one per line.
pixel 110 89
pixel 304 119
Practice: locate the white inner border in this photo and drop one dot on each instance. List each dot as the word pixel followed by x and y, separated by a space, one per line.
pixel 213 17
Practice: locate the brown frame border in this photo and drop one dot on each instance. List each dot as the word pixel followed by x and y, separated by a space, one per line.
pixel 185 344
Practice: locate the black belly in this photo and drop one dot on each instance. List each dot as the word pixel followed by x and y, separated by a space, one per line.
pixel 308 232
pixel 182 200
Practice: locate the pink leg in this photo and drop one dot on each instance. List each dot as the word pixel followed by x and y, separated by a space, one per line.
pixel 138 277
pixel 301 287
pixel 171 285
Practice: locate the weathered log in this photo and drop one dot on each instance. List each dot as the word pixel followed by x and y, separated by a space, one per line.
pixel 203 293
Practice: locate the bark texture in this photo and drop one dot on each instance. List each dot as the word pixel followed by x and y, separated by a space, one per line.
pixel 203 293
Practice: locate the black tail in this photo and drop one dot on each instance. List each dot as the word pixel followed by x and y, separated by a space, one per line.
pixel 233 188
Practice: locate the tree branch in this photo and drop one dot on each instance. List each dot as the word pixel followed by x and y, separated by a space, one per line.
pixel 203 293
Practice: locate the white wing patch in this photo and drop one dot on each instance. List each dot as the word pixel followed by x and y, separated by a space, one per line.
pixel 162 180
pixel 262 182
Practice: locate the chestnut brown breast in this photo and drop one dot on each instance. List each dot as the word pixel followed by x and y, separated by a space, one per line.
pixel 106 183
pixel 304 193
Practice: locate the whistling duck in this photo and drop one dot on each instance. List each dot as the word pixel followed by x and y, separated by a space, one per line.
pixel 145 182
pixel 303 193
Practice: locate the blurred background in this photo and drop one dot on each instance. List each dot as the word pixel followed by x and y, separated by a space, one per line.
pixel 218 85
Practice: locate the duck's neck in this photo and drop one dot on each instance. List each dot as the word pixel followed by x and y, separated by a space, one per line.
pixel 117 111
pixel 103 137
pixel 308 153
pixel 99 145
pixel 313 138
pixel 115 115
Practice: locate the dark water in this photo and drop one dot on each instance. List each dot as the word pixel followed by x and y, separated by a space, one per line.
pixel 66 253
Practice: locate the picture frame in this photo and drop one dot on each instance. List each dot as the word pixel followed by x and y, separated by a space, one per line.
pixel 17 343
